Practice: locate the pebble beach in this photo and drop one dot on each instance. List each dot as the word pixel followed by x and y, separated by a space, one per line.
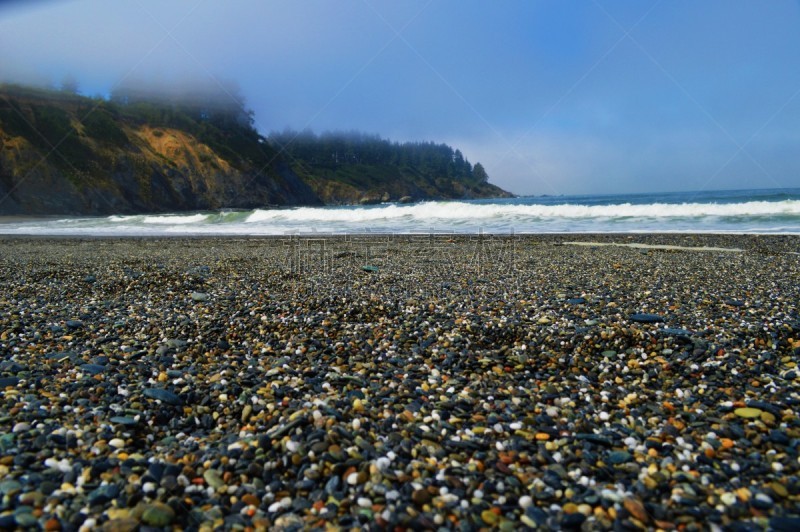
pixel 415 382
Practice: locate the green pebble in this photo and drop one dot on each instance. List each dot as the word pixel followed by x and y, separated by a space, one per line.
pixel 747 412
pixel 213 478
pixel 158 514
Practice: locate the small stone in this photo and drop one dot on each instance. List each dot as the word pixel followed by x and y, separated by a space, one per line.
pixel 636 509
pixel 163 395
pixel 646 318
pixel 525 501
pixel 747 412
pixel 117 443
pixel 26 520
pixel 8 381
pixel 200 296
pixel 126 524
pixel 364 502
pixel 92 369
pixel 103 494
pixel 421 497
pixel 213 479
pixel 779 489
pixel 21 427
pixel 123 420
pixel 619 457
pixel 158 514
pixel 251 499
pixel 762 501
pixel 9 487
pixel 489 517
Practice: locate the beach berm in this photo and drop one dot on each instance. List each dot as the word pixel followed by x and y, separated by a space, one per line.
pixel 400 382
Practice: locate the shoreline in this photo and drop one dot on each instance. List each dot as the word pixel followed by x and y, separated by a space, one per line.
pixel 762 242
pixel 422 381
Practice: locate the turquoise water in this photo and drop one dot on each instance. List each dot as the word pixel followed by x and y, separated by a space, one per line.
pixel 741 211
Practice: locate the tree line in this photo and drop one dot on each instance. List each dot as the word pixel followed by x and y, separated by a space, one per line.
pixel 337 148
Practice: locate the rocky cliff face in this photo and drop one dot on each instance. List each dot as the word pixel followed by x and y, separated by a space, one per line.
pixel 55 160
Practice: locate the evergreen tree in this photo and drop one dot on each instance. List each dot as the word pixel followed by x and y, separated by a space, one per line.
pixel 479 174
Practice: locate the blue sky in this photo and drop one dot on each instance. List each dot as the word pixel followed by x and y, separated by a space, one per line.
pixel 553 97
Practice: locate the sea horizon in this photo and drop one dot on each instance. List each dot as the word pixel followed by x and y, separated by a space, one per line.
pixel 745 211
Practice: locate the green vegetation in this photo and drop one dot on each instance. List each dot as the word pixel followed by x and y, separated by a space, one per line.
pixel 373 165
pixel 338 150
pixel 217 118
pixel 96 145
pixel 101 124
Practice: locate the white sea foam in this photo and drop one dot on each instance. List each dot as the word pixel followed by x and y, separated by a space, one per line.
pixel 172 219
pixel 523 215
pixel 461 211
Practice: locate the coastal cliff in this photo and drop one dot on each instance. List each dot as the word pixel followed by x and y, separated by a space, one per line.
pixel 61 153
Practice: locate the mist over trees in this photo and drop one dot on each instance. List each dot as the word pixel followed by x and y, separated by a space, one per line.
pixel 221 103
pixel 337 149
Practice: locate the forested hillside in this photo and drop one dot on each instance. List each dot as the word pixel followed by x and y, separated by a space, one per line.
pixel 62 153
pixel 348 167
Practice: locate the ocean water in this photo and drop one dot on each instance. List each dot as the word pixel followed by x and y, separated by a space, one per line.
pixel 774 211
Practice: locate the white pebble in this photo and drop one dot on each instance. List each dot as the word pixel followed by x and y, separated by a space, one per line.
pixel 525 501
pixel 604 416
pixel 364 502
pixel 117 443
pixel 777 467
pixel 88 525
pixel 62 465
pixel 356 424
